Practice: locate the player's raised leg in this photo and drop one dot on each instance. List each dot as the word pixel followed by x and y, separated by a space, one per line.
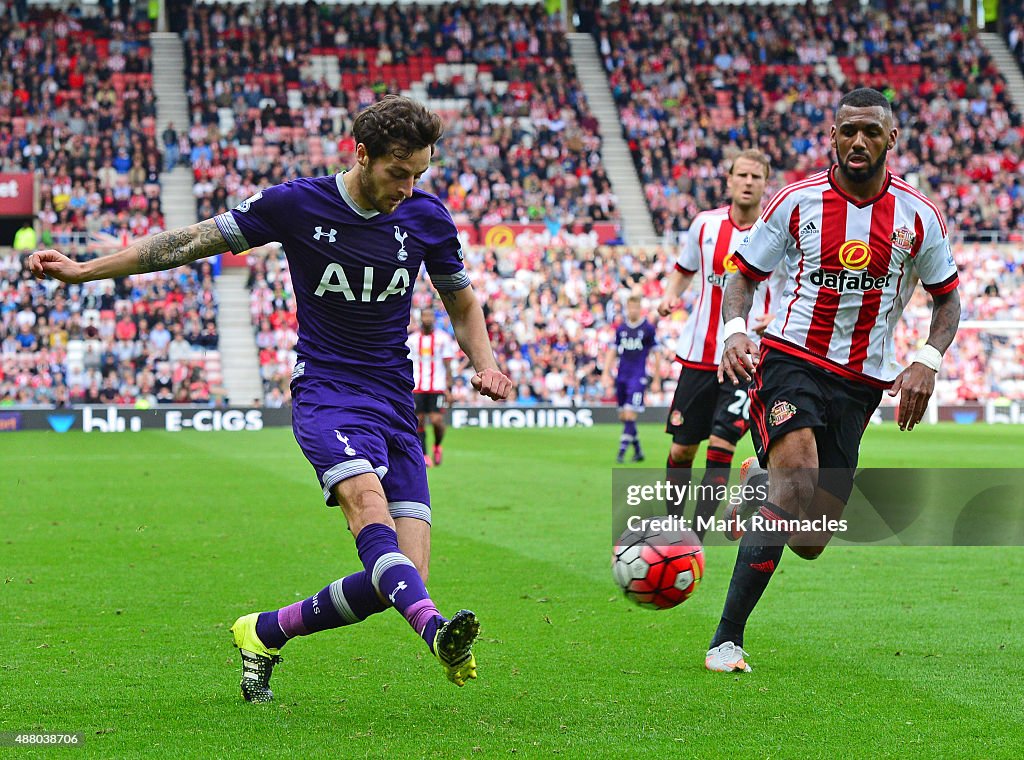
pixel 792 468
pixel 395 576
pixel 454 639
pixel 754 485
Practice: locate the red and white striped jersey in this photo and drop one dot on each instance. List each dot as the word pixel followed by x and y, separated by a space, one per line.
pixel 430 355
pixel 852 268
pixel 708 255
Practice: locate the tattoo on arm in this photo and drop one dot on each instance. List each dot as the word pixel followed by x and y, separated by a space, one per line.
pixel 738 297
pixel 945 320
pixel 173 248
pixel 448 298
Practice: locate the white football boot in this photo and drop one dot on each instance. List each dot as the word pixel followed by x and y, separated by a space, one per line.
pixel 726 658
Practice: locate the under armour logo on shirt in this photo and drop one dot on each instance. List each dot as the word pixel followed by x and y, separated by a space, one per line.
pixel 331 235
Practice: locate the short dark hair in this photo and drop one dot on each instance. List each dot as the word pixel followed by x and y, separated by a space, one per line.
pixel 865 97
pixel 397 125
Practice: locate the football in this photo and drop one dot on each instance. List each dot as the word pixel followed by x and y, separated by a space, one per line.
pixel 658 569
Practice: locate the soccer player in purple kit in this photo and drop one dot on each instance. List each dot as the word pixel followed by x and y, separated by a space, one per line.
pixel 634 339
pixel 355 242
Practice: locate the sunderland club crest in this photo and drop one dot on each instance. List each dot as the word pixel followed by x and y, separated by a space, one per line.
pixel 782 411
pixel 904 239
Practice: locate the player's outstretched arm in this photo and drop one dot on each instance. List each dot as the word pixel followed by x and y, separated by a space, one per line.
pixel 471 332
pixel 916 383
pixel 165 250
pixel 740 354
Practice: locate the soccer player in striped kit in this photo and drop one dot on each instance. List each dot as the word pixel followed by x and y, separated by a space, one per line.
pixel 855 240
pixel 431 352
pixel 704 408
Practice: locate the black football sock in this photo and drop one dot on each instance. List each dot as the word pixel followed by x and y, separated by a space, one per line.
pixel 715 477
pixel 678 475
pixel 759 554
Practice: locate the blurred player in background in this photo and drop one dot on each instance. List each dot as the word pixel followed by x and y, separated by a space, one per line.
pixel 855 240
pixel 355 242
pixel 634 339
pixel 431 352
pixel 704 408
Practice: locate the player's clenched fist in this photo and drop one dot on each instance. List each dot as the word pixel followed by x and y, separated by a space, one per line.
pixel 493 384
pixel 55 264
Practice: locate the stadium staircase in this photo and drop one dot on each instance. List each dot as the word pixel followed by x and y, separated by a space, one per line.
pixel 324 67
pixel 637 225
pixel 239 362
pixel 1003 57
pixel 178 203
pixel 238 352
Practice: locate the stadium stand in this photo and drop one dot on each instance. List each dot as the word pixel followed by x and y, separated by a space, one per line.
pixel 77 108
pixel 521 144
pixel 141 341
pixel 695 83
pixel 551 312
pixel 690 89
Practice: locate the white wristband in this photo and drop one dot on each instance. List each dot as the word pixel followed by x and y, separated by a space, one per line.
pixel 929 356
pixel 735 325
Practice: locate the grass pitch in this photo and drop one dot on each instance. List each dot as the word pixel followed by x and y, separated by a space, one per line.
pixel 126 557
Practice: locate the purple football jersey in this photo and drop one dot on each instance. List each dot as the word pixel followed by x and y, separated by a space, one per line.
pixel 353 272
pixel 634 343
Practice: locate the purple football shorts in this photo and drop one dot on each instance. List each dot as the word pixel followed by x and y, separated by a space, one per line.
pixel 344 432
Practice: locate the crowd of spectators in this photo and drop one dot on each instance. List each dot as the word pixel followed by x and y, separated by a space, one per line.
pixel 551 314
pixel 692 86
pixel 142 340
pixel 521 143
pixel 695 84
pixel 77 108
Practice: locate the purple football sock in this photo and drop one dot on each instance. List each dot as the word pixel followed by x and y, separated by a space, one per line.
pixel 396 577
pixel 346 601
pixel 628 436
